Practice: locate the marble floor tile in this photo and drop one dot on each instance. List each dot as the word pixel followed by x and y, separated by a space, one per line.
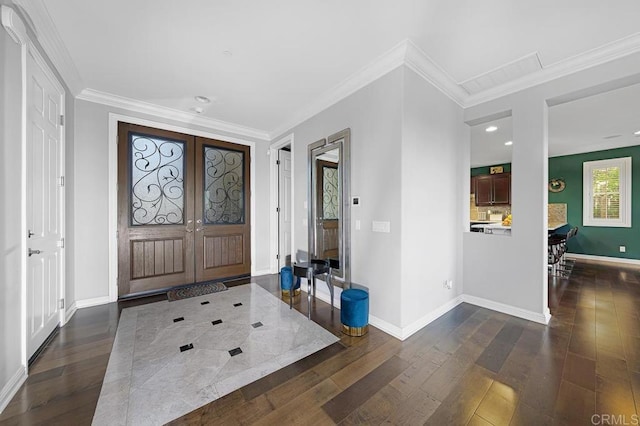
pixel 149 380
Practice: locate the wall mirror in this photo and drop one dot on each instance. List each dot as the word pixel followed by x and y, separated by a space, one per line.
pixel 329 201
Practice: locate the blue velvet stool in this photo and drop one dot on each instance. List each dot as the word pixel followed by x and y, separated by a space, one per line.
pixel 354 312
pixel 286 282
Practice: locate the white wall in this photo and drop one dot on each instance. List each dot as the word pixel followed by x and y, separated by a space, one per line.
pixel 374 115
pixel 432 132
pixel 512 270
pixel 91 196
pixel 11 240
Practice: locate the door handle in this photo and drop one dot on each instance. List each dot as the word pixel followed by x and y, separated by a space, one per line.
pixel 32 252
pixel 189 222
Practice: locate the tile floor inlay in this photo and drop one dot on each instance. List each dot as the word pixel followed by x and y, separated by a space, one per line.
pixel 149 382
pixel 186 347
pixel 237 304
pixel 178 319
pixel 257 324
pixel 235 351
pixel 206 302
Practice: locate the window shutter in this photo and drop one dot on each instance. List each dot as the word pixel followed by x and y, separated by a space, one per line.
pixel 606 193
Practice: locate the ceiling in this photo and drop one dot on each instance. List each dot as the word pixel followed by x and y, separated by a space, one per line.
pixel 262 62
pixel 593 123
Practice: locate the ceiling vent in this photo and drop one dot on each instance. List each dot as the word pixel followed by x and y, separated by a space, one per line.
pixel 509 72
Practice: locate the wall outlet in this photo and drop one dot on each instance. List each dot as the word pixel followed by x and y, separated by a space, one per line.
pixel 623 249
pixel 448 284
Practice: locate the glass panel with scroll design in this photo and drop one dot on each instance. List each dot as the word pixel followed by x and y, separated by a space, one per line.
pixel 157 180
pixel 223 195
pixel 330 193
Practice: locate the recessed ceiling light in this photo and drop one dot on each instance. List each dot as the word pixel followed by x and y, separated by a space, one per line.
pixel 202 99
pixel 508 143
pixel 227 53
pixel 637 133
pixel 199 110
pixel 491 129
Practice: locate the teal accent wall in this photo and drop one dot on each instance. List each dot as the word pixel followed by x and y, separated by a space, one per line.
pixel 597 240
pixel 484 170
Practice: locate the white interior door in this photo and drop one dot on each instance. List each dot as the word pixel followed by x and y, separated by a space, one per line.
pixel 284 206
pixel 45 100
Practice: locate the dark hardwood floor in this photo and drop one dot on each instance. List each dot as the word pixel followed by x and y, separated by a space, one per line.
pixel 470 366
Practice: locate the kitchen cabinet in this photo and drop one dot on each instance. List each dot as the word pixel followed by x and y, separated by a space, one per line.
pixel 493 190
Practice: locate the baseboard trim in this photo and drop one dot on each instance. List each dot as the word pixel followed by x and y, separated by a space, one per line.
pixel 606 259
pixel 12 387
pixel 430 317
pixel 87 303
pixel 385 326
pixel 506 309
pixel 70 312
pixel 261 272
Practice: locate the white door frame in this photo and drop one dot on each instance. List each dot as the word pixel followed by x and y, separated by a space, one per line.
pixel 17 30
pixel 113 190
pixel 273 203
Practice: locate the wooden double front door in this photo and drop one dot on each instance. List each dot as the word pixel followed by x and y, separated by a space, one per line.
pixel 183 209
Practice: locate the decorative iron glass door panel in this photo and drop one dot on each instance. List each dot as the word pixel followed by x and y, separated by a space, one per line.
pixel 223 186
pixel 157 180
pixel 155 209
pixel 328 204
pixel 223 226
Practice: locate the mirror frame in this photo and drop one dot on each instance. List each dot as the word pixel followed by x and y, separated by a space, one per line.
pixel 341 141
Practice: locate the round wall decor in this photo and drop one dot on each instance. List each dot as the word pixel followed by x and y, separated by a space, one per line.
pixel 556 185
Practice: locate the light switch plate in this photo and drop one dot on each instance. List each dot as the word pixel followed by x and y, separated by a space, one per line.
pixel 381 226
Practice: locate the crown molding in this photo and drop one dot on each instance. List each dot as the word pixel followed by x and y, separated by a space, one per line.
pixel 408 54
pixel 591 58
pixel 142 107
pixel 381 66
pixel 14 25
pixel 425 67
pixel 50 40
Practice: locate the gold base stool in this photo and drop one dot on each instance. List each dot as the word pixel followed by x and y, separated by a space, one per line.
pixel 285 294
pixel 355 331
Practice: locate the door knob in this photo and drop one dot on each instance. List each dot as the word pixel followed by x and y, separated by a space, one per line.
pixel 32 252
pixel 189 225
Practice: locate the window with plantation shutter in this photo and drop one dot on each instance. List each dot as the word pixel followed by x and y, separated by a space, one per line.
pixel 607 193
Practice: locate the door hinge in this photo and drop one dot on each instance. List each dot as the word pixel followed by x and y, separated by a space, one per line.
pixel 62 120
pixel 61 304
pixel 61 182
pixel 278 162
pixel 277 256
pixel 278 209
pixel 61 243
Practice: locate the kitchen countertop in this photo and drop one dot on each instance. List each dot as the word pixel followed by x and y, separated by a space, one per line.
pixel 498 225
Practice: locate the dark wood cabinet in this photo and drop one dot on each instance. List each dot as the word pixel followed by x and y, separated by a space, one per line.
pixel 492 190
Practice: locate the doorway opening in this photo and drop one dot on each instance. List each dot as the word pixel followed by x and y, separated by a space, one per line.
pixel 282 203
